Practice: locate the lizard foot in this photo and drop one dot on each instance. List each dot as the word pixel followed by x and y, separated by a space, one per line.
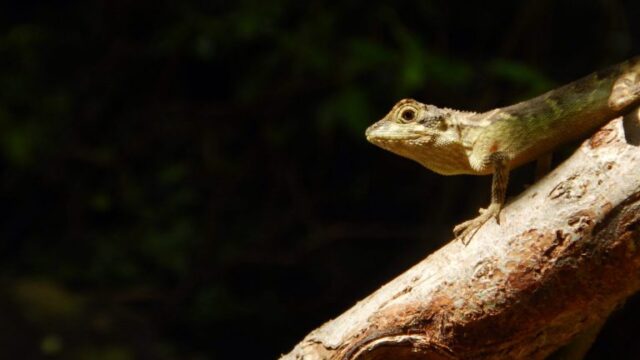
pixel 468 229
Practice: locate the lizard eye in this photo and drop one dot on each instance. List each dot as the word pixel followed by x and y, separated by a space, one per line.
pixel 408 115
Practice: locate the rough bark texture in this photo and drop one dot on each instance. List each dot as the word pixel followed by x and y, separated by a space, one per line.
pixel 565 255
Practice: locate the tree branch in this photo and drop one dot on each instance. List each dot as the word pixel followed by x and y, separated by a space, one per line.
pixel 565 255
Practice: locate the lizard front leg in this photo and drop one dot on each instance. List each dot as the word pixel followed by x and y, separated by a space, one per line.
pixel 500 163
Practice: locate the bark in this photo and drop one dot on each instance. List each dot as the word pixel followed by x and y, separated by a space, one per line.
pixel 564 256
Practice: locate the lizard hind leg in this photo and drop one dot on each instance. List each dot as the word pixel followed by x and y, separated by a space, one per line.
pixel 543 165
pixel 625 91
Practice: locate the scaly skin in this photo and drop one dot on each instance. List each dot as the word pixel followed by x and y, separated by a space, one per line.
pixel 452 142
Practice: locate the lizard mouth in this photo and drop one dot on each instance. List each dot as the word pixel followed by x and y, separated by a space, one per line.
pixel 396 144
pixel 392 138
pixel 386 131
pixel 377 133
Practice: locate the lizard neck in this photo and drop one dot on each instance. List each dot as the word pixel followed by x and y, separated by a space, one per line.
pixel 445 158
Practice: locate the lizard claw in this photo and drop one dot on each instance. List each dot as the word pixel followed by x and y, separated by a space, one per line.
pixel 466 230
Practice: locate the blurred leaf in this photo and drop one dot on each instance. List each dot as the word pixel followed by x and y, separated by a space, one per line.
pixel 216 303
pixel 521 74
pixel 43 300
pixel 172 173
pixel 419 66
pixel 365 55
pixel 51 344
pixel 449 72
pixel 412 66
pixel 23 41
pixel 19 144
pixel 204 47
pixel 101 202
pixel 167 247
pixel 57 103
pixel 255 18
pixel 349 110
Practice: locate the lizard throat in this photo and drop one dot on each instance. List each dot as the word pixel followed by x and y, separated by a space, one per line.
pixel 445 159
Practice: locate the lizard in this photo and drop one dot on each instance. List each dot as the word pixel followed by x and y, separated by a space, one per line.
pixel 453 142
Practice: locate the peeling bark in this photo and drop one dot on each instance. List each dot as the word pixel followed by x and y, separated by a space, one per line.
pixel 565 255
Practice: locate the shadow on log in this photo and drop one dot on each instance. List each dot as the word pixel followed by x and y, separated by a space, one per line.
pixel 565 255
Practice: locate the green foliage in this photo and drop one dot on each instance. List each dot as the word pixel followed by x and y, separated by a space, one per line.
pixel 51 345
pixel 349 109
pixel 521 75
pixel 44 301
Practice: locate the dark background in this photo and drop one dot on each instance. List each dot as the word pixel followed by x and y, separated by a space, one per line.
pixel 190 179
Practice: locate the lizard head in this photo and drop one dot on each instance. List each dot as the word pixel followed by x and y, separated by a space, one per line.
pixel 424 133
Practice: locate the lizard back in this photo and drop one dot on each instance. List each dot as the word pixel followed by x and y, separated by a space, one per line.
pixel 531 128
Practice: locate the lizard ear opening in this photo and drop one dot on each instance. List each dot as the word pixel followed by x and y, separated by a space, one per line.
pixel 438 122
